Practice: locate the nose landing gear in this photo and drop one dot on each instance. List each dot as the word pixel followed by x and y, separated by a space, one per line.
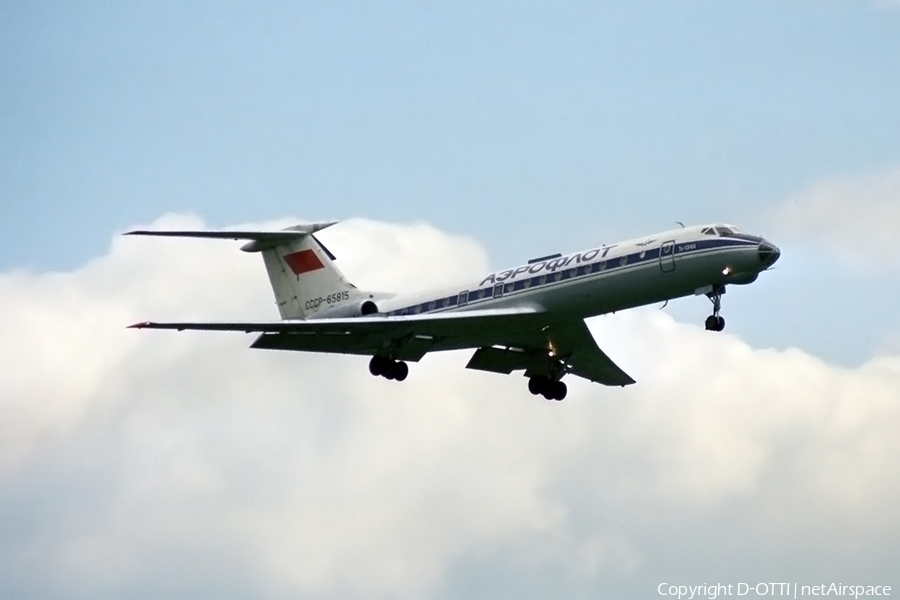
pixel 387 368
pixel 714 322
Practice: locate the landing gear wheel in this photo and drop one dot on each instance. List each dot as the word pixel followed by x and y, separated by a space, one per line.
pixel 556 390
pixel 401 370
pixel 387 368
pixel 378 365
pixel 715 323
pixel 561 391
pixel 546 387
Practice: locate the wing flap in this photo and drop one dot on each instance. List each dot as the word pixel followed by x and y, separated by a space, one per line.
pixel 599 369
pixel 408 348
pixel 499 360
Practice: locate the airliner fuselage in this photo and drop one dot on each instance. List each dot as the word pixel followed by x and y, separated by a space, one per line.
pixel 529 318
pixel 610 278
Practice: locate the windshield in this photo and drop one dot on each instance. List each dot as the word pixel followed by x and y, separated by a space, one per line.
pixel 719 230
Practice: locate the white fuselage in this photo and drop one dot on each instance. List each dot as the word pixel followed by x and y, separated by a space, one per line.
pixel 530 318
pixel 609 278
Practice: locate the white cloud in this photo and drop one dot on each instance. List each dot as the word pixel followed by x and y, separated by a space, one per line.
pixel 157 463
pixel 856 218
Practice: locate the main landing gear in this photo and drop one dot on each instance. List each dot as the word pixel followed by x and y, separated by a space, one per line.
pixel 387 368
pixel 714 322
pixel 546 387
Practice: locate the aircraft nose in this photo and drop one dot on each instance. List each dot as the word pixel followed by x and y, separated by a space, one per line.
pixel 768 253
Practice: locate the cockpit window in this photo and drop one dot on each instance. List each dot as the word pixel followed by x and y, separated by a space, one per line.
pixel 719 230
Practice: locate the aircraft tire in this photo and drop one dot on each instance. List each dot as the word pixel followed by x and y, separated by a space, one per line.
pixel 535 385
pixel 549 388
pixel 400 370
pixel 720 323
pixel 377 366
pixel 559 391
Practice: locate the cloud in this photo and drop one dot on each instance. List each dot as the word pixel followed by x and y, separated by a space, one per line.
pixel 857 219
pixel 140 464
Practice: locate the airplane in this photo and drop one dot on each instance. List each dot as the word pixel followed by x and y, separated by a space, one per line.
pixel 529 318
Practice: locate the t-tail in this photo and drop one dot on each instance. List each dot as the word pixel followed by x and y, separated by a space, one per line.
pixel 304 278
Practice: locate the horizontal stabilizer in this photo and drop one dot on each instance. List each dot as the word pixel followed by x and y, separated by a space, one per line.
pixel 259 240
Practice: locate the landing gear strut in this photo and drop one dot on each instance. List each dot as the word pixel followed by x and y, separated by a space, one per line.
pixel 546 387
pixel 387 368
pixel 714 322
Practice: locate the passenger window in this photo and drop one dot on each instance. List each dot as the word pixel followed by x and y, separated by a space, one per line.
pixel 463 299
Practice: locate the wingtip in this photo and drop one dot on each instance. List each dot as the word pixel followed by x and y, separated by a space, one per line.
pixel 141 325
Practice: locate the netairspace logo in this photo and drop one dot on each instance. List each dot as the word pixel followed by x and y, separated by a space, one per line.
pixel 714 591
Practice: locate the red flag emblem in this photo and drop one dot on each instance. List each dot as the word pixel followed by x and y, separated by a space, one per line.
pixel 303 262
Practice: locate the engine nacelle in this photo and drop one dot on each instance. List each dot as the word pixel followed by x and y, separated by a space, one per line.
pixel 349 310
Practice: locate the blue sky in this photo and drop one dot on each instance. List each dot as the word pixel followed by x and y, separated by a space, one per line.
pixel 512 130
pixel 497 121
pixel 534 128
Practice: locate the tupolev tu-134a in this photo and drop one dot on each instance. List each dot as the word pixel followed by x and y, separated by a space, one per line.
pixel 530 318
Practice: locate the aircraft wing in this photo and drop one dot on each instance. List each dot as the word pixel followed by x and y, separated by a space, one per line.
pixel 406 337
pixel 585 358
pixel 569 341
pixel 507 339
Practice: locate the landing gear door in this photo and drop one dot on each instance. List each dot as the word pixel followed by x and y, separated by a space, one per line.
pixel 667 256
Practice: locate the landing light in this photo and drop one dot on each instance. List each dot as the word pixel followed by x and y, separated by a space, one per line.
pixel 726 270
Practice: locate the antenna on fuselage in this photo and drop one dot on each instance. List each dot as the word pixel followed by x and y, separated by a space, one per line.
pixel 680 223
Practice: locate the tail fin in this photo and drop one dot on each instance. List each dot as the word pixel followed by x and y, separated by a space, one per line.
pixel 302 272
pixel 305 279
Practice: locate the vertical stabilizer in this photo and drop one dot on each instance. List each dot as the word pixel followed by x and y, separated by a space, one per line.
pixel 305 279
pixel 301 270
